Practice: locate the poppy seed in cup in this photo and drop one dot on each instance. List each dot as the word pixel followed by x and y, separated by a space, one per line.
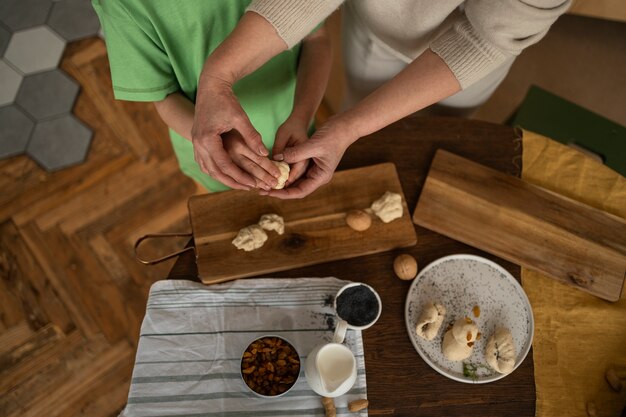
pixel 358 305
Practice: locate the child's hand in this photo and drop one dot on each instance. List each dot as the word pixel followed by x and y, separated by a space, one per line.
pixel 257 166
pixel 291 133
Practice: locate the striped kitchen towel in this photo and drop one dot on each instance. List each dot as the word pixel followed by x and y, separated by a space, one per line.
pixel 193 336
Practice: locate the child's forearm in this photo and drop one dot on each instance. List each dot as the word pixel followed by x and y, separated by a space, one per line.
pixel 177 112
pixel 313 72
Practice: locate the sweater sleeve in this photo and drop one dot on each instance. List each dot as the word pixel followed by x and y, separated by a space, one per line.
pixel 490 31
pixel 294 19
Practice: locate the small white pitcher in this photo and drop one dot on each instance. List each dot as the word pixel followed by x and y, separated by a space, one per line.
pixel 330 368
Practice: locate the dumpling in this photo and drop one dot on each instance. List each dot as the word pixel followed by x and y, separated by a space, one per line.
pixel 430 320
pixel 454 350
pixel 500 351
pixel 465 331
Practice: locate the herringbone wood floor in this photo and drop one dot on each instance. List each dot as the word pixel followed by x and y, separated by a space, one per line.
pixel 72 296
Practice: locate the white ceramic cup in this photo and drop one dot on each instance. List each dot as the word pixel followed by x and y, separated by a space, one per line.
pixel 342 325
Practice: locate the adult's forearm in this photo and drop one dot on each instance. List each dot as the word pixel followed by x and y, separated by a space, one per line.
pixel 177 111
pixel 251 44
pixel 313 73
pixel 425 81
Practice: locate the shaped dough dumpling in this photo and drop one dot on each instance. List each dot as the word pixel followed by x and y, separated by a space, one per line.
pixel 430 320
pixel 465 330
pixel 272 222
pixel 454 350
pixel 500 351
pixel 250 238
pixel 284 169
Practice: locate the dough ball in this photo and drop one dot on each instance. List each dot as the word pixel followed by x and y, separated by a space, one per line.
pixel 500 351
pixel 272 222
pixel 465 331
pixel 358 220
pixel 388 207
pixel 453 350
pixel 250 238
pixel 430 320
pixel 284 169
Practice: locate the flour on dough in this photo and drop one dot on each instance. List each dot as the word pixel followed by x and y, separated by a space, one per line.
pixel 284 169
pixel 388 207
pixel 430 320
pixel 250 238
pixel 500 351
pixel 272 222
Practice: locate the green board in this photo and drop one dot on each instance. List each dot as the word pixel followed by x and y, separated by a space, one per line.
pixel 544 113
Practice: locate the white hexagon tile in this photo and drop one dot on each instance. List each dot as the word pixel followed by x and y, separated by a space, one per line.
pixel 36 98
pixel 36 49
pixel 10 81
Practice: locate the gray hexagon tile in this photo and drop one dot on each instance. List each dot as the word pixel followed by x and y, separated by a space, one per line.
pixel 59 143
pixel 4 40
pixel 74 19
pixel 24 14
pixel 34 50
pixel 10 81
pixel 16 128
pixel 47 94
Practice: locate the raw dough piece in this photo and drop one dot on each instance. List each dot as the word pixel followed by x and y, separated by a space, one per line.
pixel 388 207
pixel 500 351
pixel 284 169
pixel 465 330
pixel 430 320
pixel 454 350
pixel 250 238
pixel 272 222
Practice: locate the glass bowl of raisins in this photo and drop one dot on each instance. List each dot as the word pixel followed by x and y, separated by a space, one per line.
pixel 270 366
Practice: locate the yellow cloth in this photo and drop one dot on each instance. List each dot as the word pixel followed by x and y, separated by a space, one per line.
pixel 577 335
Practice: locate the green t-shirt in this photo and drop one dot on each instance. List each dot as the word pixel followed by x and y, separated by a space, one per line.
pixel 157 47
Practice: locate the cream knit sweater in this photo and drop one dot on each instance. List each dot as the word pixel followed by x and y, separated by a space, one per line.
pixel 471 42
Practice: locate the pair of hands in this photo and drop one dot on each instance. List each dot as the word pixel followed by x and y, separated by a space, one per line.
pixel 229 149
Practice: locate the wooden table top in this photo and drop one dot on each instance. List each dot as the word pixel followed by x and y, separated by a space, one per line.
pixel 399 382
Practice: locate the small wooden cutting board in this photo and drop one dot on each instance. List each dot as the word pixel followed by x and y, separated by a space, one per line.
pixel 315 227
pixel 541 230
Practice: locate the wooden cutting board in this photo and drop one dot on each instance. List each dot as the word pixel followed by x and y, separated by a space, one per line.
pixel 315 227
pixel 541 230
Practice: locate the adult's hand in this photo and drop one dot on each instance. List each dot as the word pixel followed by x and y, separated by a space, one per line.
pixel 217 112
pixel 291 133
pixel 325 149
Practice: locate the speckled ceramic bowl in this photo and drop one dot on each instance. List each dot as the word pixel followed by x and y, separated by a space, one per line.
pixel 460 282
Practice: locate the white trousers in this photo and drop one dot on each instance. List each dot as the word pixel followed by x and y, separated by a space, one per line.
pixel 368 65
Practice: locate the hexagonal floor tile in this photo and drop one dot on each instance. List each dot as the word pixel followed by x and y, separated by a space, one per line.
pixel 10 82
pixel 35 50
pixel 4 40
pixel 24 14
pixel 74 19
pixel 47 94
pixel 59 143
pixel 16 128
